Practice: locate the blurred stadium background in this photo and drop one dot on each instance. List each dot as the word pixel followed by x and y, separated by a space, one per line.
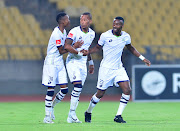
pixel 26 26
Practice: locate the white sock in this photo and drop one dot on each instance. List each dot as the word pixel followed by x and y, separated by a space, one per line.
pixel 59 97
pixel 75 98
pixel 92 104
pixel 48 105
pixel 123 102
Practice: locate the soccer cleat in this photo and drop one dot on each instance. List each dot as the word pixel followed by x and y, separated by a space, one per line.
pixel 119 119
pixel 87 117
pixel 52 114
pixel 48 120
pixel 72 118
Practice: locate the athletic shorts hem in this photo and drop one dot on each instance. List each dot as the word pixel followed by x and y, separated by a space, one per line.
pixel 122 81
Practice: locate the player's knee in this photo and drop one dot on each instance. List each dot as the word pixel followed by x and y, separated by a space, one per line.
pixel 100 94
pixel 50 92
pixel 127 91
pixel 64 91
pixel 78 85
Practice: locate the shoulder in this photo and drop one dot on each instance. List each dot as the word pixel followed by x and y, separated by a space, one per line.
pixel 56 32
pixel 107 33
pixel 125 33
pixel 75 28
pixel 92 31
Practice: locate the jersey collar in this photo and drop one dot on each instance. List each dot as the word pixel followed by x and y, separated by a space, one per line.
pixel 116 35
pixel 83 31
pixel 60 30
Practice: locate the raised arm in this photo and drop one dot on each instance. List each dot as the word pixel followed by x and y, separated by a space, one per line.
pixel 133 50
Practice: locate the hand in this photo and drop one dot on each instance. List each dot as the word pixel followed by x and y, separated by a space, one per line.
pixel 91 69
pixel 85 52
pixel 78 44
pixel 147 62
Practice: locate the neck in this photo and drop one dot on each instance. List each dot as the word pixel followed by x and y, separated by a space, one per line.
pixel 117 33
pixel 61 27
pixel 85 29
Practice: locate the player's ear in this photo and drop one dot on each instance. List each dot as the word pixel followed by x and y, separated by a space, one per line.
pixel 90 21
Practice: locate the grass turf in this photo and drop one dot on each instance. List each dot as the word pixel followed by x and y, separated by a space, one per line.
pixel 28 116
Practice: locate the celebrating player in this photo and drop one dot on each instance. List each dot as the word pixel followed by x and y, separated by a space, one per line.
pixel 54 72
pixel 111 68
pixel 76 62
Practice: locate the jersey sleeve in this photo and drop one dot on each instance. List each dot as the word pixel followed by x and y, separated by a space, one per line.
pixel 128 39
pixel 72 34
pixel 101 40
pixel 58 40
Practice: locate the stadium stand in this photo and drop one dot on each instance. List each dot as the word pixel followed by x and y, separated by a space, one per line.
pixel 148 22
pixel 151 24
pixel 20 32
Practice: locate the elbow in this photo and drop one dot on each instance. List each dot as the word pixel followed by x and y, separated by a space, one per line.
pixel 66 47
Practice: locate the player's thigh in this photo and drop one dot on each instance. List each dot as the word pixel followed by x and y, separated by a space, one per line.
pixel 125 86
pixel 49 75
pixel 83 73
pixel 105 78
pixel 121 76
pixel 73 72
pixel 62 76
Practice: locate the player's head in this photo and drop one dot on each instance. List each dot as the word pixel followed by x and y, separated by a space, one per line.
pixel 63 18
pixel 118 24
pixel 85 20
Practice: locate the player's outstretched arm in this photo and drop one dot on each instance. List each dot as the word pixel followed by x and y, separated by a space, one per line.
pixel 133 50
pixel 93 50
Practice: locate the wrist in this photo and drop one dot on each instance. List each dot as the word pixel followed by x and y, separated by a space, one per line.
pixel 91 62
pixel 141 57
pixel 80 53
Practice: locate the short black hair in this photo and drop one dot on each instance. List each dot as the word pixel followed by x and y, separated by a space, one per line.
pixel 60 16
pixel 89 14
pixel 119 18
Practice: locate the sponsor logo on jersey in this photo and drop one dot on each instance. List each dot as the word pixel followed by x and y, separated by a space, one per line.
pixel 70 35
pixel 80 37
pixel 110 40
pixel 58 42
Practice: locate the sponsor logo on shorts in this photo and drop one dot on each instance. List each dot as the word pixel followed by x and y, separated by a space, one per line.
pixel 101 83
pixel 50 80
pixel 74 77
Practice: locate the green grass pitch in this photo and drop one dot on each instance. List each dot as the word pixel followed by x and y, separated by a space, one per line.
pixel 28 116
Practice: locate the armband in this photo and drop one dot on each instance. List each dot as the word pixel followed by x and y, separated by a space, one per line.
pixel 141 57
pixel 91 62
pixel 80 53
